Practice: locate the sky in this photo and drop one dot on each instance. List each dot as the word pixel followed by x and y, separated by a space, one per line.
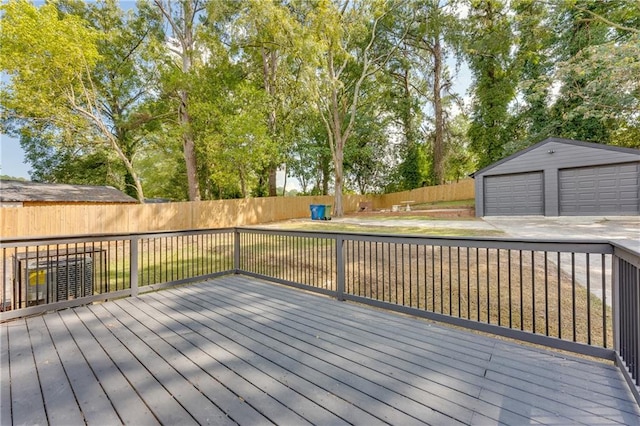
pixel 12 162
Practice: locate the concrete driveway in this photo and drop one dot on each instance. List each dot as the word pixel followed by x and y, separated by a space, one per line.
pixel 565 227
pixel 622 229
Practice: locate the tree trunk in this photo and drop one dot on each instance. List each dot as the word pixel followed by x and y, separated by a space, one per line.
pixel 438 143
pixel 269 70
pixel 273 188
pixel 338 210
pixel 189 149
pixel 188 143
pixel 183 31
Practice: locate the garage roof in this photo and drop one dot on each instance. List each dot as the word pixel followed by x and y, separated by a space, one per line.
pixel 24 191
pixel 558 140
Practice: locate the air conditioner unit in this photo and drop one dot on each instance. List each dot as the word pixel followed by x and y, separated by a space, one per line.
pixel 54 279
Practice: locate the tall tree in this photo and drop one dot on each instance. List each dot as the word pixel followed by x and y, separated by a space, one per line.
pixel 182 19
pixel 274 44
pixel 51 59
pixel 533 65
pixel 345 35
pixel 123 77
pixel 599 61
pixel 434 36
pixel 407 86
pixel 488 52
pixel 575 34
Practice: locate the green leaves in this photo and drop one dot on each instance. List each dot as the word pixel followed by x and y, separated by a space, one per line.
pixel 45 56
pixel 351 95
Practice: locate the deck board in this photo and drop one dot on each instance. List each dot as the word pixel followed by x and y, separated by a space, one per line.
pixel 130 407
pixel 438 381
pixel 443 392
pixel 236 350
pixel 220 385
pixel 92 400
pixel 29 409
pixel 275 359
pixel 61 405
pixel 5 379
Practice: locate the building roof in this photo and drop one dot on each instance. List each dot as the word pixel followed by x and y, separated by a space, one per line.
pixel 558 140
pixel 24 191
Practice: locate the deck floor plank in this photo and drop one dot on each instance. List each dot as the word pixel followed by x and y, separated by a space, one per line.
pixel 603 385
pixel 94 403
pixel 453 396
pixel 386 358
pixel 221 385
pixel 255 405
pixel 27 405
pixel 388 353
pixel 194 402
pixel 288 367
pixel 5 379
pixel 60 402
pixel 130 407
pixel 261 365
pixel 237 350
pixel 148 386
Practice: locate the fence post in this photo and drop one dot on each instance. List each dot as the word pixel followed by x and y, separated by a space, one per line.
pixel 133 265
pixel 236 251
pixel 340 268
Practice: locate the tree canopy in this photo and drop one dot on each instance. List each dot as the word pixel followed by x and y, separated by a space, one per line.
pixel 206 99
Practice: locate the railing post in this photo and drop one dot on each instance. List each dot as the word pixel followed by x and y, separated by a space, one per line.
pixel 637 326
pixel 236 250
pixel 133 265
pixel 615 303
pixel 340 268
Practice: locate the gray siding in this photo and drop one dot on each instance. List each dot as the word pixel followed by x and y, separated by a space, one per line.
pixel 550 157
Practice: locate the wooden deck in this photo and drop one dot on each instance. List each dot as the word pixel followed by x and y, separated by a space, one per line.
pixel 236 350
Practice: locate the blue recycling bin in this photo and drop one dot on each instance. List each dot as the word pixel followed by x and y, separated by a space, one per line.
pixel 317 211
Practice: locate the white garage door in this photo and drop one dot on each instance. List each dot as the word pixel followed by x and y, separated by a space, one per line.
pixel 513 195
pixel 594 191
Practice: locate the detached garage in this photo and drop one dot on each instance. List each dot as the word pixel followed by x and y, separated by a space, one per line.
pixel 561 177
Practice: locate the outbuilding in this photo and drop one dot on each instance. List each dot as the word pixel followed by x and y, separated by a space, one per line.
pixel 17 193
pixel 561 177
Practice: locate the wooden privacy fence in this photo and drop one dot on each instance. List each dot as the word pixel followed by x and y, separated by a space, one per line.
pixel 128 218
pixel 463 190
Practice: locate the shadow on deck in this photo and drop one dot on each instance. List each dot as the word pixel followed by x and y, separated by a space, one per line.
pixel 237 350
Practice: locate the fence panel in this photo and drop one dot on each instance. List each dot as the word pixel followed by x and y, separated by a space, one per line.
pixel 85 219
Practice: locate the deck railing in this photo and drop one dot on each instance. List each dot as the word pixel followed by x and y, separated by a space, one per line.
pixel 577 295
pixel 42 274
